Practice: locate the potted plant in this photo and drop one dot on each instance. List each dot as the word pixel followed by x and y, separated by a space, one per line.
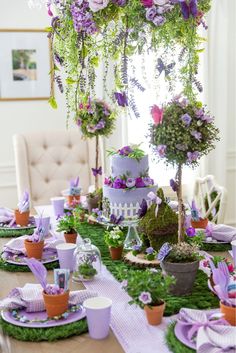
pixel 73 197
pixel 224 286
pixel 115 240
pixel 34 244
pixel 181 261
pixel 80 213
pixel 69 225
pixel 56 299
pixel 148 290
pixel 94 200
pixel 196 220
pixel 22 212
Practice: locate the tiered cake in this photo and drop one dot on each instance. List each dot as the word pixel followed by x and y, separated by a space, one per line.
pixel 129 183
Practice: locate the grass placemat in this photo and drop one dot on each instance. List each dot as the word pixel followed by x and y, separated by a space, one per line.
pixel 44 334
pixel 173 343
pixel 215 247
pixel 21 268
pixel 201 297
pixel 13 233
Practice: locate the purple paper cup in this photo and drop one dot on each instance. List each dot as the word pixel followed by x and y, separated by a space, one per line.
pixel 58 205
pixel 65 253
pixel 233 244
pixel 98 312
pixel 45 223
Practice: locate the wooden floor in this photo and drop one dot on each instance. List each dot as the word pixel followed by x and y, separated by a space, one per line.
pixel 75 344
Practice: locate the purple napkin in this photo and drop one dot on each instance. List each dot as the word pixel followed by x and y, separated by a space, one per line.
pixel 210 331
pixel 30 297
pixel 221 232
pixel 6 215
pixel 23 204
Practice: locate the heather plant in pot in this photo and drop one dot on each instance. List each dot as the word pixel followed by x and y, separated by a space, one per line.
pixel 196 220
pixel 23 211
pixel 181 261
pixel 69 225
pixel 34 244
pixel 73 197
pixel 148 290
pixel 115 240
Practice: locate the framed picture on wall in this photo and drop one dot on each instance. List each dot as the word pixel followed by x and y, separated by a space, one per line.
pixel 25 65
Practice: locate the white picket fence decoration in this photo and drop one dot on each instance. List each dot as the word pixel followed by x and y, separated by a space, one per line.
pixel 126 209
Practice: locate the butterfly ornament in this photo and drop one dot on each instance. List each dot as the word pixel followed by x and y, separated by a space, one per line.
pixel 162 67
pixel 97 171
pixel 188 8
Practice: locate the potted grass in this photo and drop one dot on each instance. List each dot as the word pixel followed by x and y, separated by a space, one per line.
pixel 181 261
pixel 69 225
pixel 148 290
pixel 34 244
pixel 56 299
pixel 196 220
pixel 22 212
pixel 115 241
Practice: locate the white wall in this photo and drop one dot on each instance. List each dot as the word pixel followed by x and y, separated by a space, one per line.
pixel 23 116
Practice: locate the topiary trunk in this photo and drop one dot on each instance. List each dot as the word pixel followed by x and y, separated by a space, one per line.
pixel 181 210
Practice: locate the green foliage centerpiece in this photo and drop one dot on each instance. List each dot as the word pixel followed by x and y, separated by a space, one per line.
pixel 181 134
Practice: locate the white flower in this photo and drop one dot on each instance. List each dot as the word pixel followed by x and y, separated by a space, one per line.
pixel 97 5
pixel 161 2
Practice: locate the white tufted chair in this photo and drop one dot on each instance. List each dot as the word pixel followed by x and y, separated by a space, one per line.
pixel 46 161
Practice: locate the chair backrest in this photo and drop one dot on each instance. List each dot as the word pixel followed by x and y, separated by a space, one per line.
pixel 210 198
pixel 46 161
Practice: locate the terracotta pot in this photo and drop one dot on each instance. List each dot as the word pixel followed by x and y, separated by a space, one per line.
pixel 184 273
pixel 70 237
pixel 22 218
pixel 34 249
pixel 93 202
pixel 116 253
pixel 154 314
pixel 56 305
pixel 73 199
pixel 229 313
pixel 202 223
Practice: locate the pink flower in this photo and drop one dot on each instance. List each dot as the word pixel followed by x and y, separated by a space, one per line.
pixel 139 183
pixel 147 3
pixel 231 268
pixel 97 5
pixel 81 106
pixel 157 114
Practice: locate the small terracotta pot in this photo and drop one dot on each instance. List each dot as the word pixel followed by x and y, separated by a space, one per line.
pixel 73 199
pixel 22 218
pixel 56 305
pixel 116 253
pixel 154 314
pixel 93 202
pixel 70 237
pixel 202 223
pixel 229 313
pixel 34 249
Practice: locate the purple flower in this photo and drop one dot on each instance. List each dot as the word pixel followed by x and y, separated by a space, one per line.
pixel 159 20
pixel 186 119
pixel 121 99
pixel 193 156
pixel 173 185
pixel 150 250
pixel 190 232
pixel 161 150
pixel 120 2
pixel 147 3
pixel 209 230
pixel 130 182
pixel 139 183
pixel 148 181
pixel 125 151
pixel 124 283
pixel 145 298
pixel 164 251
pixel 207 118
pixel 97 5
pixel 100 125
pixel 79 122
pixel 199 113
pixel 187 221
pixel 151 13
pixel 119 184
pixel 108 181
pixel 181 147
pixel 196 134
pixel 136 247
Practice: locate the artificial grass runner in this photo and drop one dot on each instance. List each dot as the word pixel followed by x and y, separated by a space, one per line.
pixel 201 297
pixel 11 233
pixel 21 268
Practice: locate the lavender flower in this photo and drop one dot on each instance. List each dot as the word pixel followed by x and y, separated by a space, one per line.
pixel 190 232
pixel 145 298
pixel 197 135
pixel 82 18
pixel 121 99
pixel 173 185
pixel 150 250
pixel 163 252
pixel 148 181
pixel 193 156
pixel 130 182
pixel 186 119
pixel 161 150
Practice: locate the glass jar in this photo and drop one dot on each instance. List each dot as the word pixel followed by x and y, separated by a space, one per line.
pixel 87 261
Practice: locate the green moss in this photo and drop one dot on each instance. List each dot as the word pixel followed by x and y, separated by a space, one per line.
pixel 173 343
pixel 160 229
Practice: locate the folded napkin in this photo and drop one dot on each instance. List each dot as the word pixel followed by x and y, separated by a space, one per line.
pixel 221 232
pixel 16 246
pixel 30 297
pixel 213 334
pixel 24 203
pixel 6 215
